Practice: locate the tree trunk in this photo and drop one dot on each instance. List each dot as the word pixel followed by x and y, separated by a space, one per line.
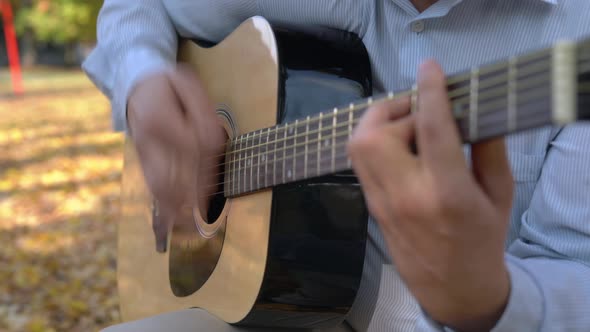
pixel 28 49
pixel 70 54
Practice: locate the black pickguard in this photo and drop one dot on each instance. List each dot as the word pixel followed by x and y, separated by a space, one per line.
pixel 319 227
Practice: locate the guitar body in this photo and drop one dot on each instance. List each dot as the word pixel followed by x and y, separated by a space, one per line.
pixel 290 256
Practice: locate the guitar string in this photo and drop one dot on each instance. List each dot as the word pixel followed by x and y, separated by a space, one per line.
pixel 344 110
pixel 583 66
pixel 244 139
pixel 250 161
pixel 293 178
pixel 499 69
pixel 498 104
pixel 313 163
pixel 286 127
pixel 493 105
pixel 531 115
pixel 485 108
pixel 524 98
pixel 500 78
pixel 328 115
pixel 465 78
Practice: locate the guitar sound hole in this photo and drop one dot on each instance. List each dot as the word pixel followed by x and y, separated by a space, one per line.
pixel 216 205
pixel 217 202
pixel 196 243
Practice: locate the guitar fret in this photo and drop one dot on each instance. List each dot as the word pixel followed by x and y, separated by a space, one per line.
pixel 414 99
pixel 350 122
pixel 294 170
pixel 334 124
pixel 306 149
pixel 235 159
pixel 229 169
pixel 247 164
pixel 284 153
pixel 246 158
pixel 237 176
pixel 259 153
pixel 237 169
pixel 252 157
pixel 494 100
pixel 473 105
pixel 319 143
pixel 266 159
pixel 512 93
pixel 274 157
pixel 242 167
pixel 251 160
pixel 251 163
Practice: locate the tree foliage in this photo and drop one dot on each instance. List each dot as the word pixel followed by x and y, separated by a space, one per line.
pixel 58 21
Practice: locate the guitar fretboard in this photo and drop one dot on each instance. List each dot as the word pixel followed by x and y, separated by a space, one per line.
pixel 507 97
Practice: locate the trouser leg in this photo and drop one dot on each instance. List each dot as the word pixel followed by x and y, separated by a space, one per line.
pixel 196 320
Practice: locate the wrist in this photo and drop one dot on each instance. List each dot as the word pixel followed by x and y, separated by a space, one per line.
pixel 482 308
pixel 135 67
pixel 130 117
pixel 139 95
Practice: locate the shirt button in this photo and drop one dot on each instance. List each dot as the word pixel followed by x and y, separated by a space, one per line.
pixel 418 26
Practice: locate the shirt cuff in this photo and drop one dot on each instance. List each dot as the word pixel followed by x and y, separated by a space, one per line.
pixel 524 311
pixel 427 324
pixel 136 65
pixel 526 307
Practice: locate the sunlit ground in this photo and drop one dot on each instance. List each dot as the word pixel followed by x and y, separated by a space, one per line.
pixel 60 168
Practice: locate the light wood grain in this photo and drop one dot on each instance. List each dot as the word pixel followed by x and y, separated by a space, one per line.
pixel 240 73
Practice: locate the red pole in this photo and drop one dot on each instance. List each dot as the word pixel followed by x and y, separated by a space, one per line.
pixel 11 46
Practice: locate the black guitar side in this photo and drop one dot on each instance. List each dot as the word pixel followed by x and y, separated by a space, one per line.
pixel 319 228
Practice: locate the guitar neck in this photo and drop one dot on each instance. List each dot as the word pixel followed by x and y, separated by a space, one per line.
pixel 549 87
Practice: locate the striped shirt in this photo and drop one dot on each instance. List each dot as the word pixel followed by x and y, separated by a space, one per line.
pixel 548 245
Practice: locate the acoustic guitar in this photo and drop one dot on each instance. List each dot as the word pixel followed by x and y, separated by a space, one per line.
pixel 284 242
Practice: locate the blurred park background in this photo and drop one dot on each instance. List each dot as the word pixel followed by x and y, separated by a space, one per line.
pixel 60 170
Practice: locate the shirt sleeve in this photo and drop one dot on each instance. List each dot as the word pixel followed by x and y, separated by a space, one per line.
pixel 135 39
pixel 549 264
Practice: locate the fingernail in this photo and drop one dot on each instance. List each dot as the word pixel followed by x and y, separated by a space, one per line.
pixel 161 244
pixel 424 70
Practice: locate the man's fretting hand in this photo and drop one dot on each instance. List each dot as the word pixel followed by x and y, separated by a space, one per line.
pixel 445 225
pixel 177 136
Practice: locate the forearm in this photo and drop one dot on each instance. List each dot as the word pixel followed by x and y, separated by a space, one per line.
pixel 135 39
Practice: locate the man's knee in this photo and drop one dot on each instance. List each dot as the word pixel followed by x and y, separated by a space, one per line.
pixel 189 320
pixel 196 320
